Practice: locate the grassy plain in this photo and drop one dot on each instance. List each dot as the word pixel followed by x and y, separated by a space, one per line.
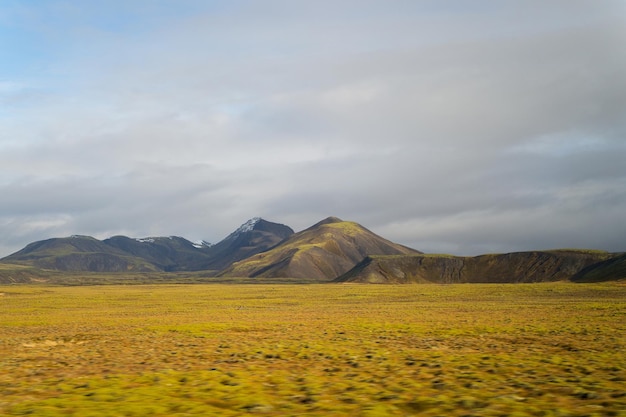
pixel 314 350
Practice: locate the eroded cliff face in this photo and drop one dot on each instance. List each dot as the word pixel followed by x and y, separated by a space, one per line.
pixel 609 270
pixel 537 266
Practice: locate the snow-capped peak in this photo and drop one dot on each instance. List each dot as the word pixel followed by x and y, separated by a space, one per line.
pixel 201 244
pixel 248 226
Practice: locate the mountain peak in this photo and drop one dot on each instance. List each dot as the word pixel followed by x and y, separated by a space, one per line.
pixel 331 219
pixel 248 226
pixel 327 220
pixel 244 228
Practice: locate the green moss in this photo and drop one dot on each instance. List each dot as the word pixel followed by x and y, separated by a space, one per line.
pixel 316 350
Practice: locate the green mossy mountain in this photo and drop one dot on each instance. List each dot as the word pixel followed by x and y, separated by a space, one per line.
pixel 517 267
pixel 322 252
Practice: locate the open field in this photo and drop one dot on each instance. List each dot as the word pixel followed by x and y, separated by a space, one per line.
pixel 314 350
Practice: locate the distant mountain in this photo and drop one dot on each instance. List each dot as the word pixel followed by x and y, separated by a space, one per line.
pixel 323 252
pixel 172 253
pixel 78 253
pixel 536 266
pixel 254 236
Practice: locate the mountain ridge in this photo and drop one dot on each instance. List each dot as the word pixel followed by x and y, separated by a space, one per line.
pixel 331 250
pixel 150 254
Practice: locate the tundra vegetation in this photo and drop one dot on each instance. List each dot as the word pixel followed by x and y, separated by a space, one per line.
pixel 546 350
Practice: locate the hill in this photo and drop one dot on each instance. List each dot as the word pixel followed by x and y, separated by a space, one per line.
pixel 535 266
pixel 322 252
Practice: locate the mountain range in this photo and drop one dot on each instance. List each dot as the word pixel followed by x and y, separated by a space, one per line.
pixel 331 250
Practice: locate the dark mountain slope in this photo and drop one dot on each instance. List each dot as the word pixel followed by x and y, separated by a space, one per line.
pixel 610 270
pixel 323 252
pixel 536 266
pixel 171 253
pixel 254 236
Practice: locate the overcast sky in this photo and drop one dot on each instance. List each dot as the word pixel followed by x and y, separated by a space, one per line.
pixel 463 127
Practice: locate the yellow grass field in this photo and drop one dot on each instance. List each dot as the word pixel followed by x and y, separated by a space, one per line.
pixel 314 350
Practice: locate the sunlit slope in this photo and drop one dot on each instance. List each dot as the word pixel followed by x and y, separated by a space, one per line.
pixel 535 266
pixel 323 252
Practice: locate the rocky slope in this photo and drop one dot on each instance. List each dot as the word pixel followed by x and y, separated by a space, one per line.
pixel 535 266
pixel 609 270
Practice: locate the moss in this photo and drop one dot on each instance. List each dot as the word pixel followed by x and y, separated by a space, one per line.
pixel 168 350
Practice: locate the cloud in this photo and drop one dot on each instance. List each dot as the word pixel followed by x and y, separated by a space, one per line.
pixel 447 126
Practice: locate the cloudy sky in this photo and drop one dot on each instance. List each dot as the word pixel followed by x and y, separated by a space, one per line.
pixel 463 126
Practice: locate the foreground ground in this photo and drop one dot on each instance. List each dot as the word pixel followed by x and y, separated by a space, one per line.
pixel 314 350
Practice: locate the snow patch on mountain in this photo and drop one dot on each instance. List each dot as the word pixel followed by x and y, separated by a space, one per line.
pixel 201 244
pixel 246 227
pixel 249 225
pixel 145 240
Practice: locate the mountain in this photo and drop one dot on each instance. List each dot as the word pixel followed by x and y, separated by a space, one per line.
pixel 254 236
pixel 78 253
pixel 535 266
pixel 170 254
pixel 322 252
pixel 610 270
pixel 331 250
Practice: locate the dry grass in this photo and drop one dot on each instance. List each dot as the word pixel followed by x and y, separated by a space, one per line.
pixel 314 350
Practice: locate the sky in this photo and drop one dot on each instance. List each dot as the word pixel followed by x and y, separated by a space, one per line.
pixel 462 127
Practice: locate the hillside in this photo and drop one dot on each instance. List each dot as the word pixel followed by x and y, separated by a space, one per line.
pixel 322 252
pixel 535 266
pixel 609 270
